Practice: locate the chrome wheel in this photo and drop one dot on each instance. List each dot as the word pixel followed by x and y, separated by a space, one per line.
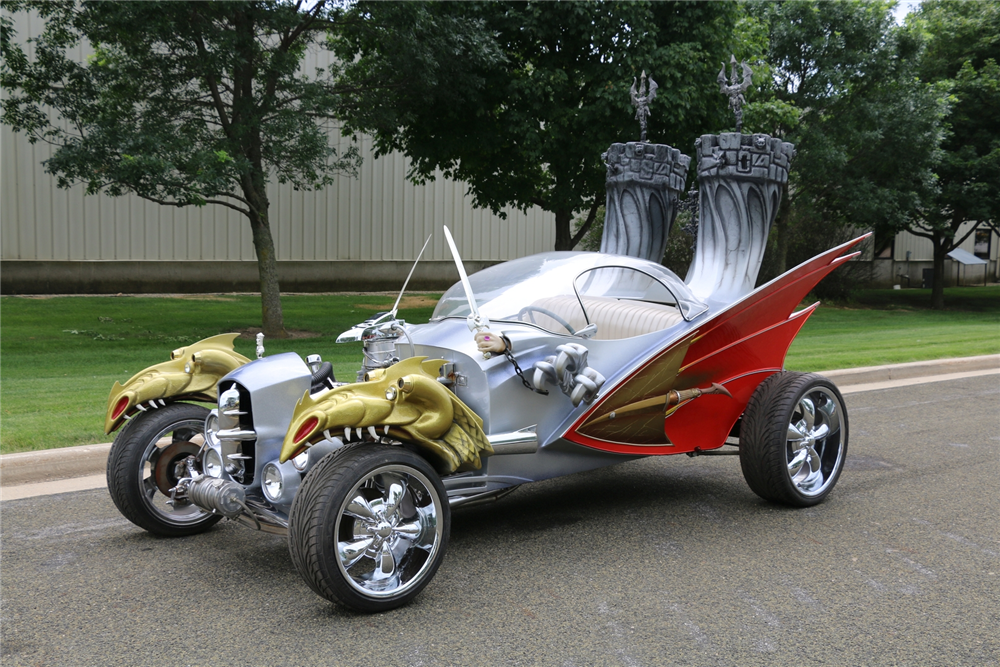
pixel 146 461
pixel 369 526
pixel 388 531
pixel 814 448
pixel 793 438
pixel 162 465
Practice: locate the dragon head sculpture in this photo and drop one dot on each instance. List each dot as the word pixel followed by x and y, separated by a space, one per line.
pixel 192 371
pixel 404 402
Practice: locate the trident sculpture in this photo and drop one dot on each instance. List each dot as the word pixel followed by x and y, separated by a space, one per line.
pixel 641 100
pixel 734 90
pixel 643 181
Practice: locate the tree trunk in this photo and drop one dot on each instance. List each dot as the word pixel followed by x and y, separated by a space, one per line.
pixel 273 322
pixel 937 285
pixel 255 191
pixel 564 233
pixel 781 237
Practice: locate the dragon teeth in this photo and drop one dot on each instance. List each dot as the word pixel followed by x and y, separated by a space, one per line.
pixel 347 434
pixel 387 429
pixel 372 433
pixel 358 429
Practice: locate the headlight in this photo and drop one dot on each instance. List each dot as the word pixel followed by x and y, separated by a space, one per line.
pixel 212 428
pixel 229 409
pixel 280 482
pixel 212 463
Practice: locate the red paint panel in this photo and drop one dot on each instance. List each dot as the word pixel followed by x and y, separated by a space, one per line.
pixel 706 422
pixel 763 348
pixel 758 311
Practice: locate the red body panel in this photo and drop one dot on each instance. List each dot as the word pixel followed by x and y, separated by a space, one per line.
pixel 737 348
pixel 705 422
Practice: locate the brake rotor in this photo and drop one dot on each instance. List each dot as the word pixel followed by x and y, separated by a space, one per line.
pixel 165 472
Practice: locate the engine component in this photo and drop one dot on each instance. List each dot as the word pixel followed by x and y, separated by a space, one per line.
pixel 217 495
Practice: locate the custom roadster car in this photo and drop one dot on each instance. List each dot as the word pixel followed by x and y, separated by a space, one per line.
pixel 538 367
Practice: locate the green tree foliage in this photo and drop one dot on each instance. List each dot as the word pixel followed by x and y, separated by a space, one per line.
pixel 839 82
pixel 531 132
pixel 194 103
pixel 962 55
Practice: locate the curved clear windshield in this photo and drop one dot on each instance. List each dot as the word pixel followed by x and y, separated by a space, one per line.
pixel 564 292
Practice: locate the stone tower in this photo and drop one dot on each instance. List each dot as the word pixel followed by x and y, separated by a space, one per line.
pixel 740 179
pixel 642 185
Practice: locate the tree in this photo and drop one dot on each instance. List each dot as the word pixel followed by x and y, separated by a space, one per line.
pixel 192 103
pixel 962 52
pixel 840 84
pixel 534 132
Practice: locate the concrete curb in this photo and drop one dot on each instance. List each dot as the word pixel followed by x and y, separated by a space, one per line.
pixel 66 462
pixel 50 464
pixel 870 374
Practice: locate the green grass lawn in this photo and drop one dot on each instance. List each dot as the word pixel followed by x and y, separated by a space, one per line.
pixel 60 356
pixel 897 326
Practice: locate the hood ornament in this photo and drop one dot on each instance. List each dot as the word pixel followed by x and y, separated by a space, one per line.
pixel 641 99
pixel 734 90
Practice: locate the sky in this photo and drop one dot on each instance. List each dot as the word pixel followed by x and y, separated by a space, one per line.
pixel 903 8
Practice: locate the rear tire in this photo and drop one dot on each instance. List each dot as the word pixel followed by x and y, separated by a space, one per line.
pixel 369 527
pixel 143 466
pixel 793 439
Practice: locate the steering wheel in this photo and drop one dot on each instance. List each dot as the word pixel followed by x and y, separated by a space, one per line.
pixel 548 313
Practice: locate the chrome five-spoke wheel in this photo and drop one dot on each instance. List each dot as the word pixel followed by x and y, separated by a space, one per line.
pixel 369 526
pixel 389 531
pixel 145 463
pixel 793 439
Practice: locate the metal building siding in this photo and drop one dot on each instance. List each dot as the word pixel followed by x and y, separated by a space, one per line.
pixel 921 249
pixel 377 216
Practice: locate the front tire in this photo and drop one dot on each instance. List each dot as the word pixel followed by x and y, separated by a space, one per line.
pixel 146 460
pixel 369 527
pixel 793 440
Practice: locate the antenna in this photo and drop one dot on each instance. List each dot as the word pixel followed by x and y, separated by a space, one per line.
pixel 395 306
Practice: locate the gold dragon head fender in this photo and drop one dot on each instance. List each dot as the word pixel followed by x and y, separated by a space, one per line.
pixel 193 370
pixel 405 403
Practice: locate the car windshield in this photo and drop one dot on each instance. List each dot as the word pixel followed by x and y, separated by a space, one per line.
pixel 564 292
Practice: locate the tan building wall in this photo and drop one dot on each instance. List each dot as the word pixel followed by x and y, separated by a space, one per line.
pixel 377 217
pixel 920 249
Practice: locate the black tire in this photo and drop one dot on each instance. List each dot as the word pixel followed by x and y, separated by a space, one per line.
pixel 793 440
pixel 141 469
pixel 408 538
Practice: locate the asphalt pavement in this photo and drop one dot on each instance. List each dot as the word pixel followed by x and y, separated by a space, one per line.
pixel 660 561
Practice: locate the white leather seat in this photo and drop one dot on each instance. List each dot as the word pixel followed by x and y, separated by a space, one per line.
pixel 615 318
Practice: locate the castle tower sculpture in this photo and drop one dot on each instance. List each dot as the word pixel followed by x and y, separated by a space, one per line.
pixel 741 178
pixel 643 181
pixel 642 185
pixel 740 181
